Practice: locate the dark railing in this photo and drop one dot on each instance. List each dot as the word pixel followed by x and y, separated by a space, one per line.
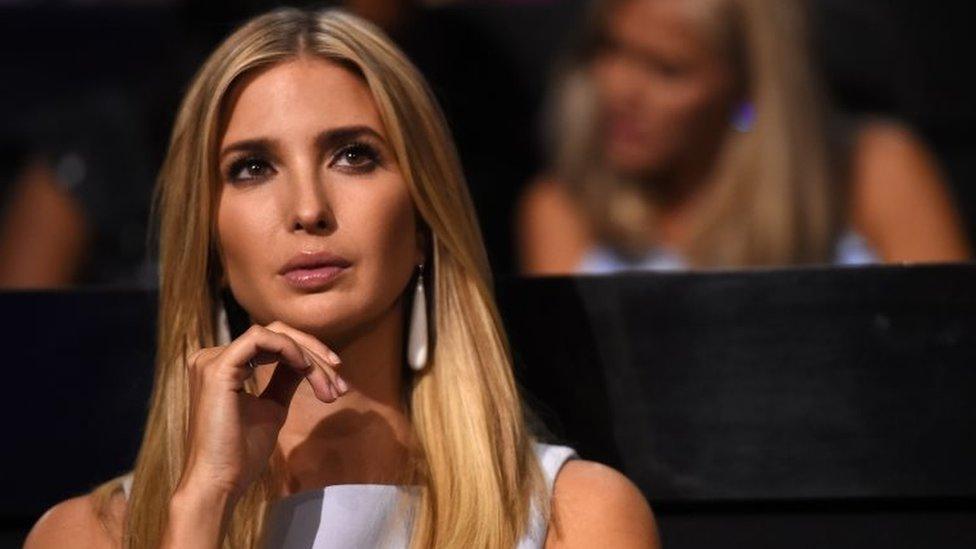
pixel 800 407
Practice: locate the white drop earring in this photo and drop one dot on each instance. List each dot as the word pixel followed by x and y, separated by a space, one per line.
pixel 223 325
pixel 417 341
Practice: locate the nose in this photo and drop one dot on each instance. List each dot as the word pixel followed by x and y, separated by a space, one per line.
pixel 311 210
pixel 618 80
pixel 626 82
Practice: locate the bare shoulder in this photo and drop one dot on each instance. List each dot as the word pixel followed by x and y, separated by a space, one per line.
pixel 888 158
pixel 546 191
pixel 552 229
pixel 900 198
pixel 881 143
pixel 552 198
pixel 595 505
pixel 75 522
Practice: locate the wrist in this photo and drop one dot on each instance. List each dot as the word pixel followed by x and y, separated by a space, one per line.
pixel 198 517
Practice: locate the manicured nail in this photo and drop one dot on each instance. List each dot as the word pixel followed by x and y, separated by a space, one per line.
pixel 342 384
pixel 334 358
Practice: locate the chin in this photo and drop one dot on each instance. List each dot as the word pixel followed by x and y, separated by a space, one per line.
pixel 308 312
pixel 633 159
pixel 630 164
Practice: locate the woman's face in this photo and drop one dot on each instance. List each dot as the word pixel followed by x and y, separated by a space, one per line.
pixel 306 169
pixel 665 92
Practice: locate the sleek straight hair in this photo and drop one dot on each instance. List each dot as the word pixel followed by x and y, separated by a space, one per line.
pixel 476 466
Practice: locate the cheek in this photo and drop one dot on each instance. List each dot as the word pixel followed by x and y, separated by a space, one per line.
pixel 384 228
pixel 690 105
pixel 682 118
pixel 244 234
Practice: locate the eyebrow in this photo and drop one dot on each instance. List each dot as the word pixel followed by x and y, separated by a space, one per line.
pixel 326 140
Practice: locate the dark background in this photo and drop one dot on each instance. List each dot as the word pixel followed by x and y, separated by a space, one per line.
pixel 107 78
pixel 782 408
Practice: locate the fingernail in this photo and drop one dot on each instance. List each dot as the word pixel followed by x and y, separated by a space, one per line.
pixel 342 384
pixel 334 358
pixel 329 393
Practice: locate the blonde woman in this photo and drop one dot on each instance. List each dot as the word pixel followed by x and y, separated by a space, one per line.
pixel 692 133
pixel 311 179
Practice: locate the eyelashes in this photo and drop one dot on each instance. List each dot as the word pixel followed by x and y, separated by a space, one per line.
pixel 248 168
pixel 358 156
pixel 355 158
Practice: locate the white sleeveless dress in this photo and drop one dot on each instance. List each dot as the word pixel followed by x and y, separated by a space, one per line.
pixel 346 516
pixel 851 249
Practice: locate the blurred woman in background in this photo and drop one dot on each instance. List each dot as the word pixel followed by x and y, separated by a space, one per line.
pixel 695 133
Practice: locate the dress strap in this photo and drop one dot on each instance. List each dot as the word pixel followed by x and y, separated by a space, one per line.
pixel 127 485
pixel 552 458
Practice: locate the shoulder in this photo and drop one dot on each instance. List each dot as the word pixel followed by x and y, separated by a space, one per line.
pixel 551 226
pixel 550 196
pixel 546 191
pixel 596 505
pixel 900 199
pixel 881 145
pixel 76 522
pixel 888 157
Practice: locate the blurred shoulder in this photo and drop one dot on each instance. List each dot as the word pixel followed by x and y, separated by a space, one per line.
pixel 549 194
pixel 888 140
pixel 553 230
pixel 595 505
pixel 888 157
pixel 900 198
pixel 77 522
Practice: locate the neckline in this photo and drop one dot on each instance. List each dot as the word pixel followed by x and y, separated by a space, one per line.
pixel 317 493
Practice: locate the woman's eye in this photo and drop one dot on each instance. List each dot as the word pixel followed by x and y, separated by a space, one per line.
pixel 358 156
pixel 249 168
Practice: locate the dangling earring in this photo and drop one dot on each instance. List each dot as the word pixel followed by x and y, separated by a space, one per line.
pixel 418 340
pixel 223 325
pixel 744 117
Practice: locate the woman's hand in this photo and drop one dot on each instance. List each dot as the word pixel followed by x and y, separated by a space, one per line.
pixel 232 433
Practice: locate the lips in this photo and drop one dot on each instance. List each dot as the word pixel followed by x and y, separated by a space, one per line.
pixel 624 129
pixel 313 270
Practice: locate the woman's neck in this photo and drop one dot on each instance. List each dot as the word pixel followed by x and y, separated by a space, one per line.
pixel 362 438
pixel 677 197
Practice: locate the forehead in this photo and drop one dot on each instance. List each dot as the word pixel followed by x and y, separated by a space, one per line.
pixel 299 97
pixel 667 26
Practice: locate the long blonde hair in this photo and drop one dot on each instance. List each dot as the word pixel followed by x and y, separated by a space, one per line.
pixel 775 199
pixel 478 473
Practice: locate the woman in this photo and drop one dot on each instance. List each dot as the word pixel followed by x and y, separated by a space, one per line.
pixel 311 181
pixel 692 133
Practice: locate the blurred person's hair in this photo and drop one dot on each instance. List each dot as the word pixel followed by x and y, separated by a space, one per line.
pixel 776 199
pixel 476 466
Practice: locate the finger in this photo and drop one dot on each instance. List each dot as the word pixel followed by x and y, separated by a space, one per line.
pixel 262 359
pixel 318 378
pixel 330 358
pixel 311 342
pixel 261 341
pixel 282 386
pixel 284 382
pixel 338 384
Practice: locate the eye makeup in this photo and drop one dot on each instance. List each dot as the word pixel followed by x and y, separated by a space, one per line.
pixel 357 157
pixel 248 168
pixel 353 150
